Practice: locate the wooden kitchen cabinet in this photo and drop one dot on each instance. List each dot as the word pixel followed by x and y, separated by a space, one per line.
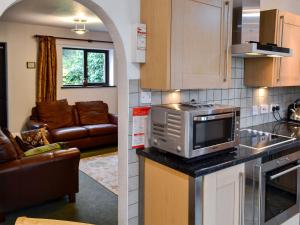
pixel 281 28
pixel 170 197
pixel 223 202
pixel 188 44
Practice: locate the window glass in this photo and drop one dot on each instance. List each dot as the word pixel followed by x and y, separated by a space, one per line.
pixel 96 67
pixel 85 67
pixel 73 67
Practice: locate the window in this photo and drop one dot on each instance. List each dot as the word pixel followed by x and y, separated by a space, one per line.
pixel 85 67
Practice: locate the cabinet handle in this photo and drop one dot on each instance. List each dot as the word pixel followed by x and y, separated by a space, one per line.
pixel 241 196
pixel 281 44
pixel 227 6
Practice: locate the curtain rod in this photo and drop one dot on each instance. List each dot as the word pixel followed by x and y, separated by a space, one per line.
pixel 74 39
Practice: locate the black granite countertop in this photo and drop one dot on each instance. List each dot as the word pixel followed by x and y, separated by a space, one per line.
pixel 204 165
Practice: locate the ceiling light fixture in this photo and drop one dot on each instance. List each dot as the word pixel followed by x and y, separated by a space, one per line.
pixel 80 26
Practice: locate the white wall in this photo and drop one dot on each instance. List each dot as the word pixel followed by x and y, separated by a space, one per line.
pixel 287 5
pixel 22 48
pixel 118 16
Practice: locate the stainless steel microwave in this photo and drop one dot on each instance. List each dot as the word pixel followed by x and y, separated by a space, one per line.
pixel 190 130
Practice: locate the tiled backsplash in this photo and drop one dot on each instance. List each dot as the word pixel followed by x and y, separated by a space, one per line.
pixel 237 95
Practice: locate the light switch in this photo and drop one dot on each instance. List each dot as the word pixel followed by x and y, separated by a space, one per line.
pixel 146 97
pixel 255 110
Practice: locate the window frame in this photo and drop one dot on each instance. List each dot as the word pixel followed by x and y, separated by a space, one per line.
pixel 86 84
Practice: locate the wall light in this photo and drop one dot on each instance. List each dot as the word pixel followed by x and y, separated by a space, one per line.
pixel 262 91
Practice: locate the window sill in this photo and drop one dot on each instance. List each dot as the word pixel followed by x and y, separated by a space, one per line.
pixel 96 86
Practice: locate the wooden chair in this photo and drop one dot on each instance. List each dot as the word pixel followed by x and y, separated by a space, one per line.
pixel 31 221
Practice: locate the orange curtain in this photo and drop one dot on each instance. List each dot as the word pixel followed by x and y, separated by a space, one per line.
pixel 47 70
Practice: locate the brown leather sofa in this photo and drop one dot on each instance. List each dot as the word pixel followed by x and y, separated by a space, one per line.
pixel 27 181
pixel 84 125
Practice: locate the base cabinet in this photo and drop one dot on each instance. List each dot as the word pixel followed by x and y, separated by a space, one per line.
pixel 169 197
pixel 223 197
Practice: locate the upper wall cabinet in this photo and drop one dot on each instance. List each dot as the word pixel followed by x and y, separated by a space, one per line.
pixel 283 29
pixel 188 44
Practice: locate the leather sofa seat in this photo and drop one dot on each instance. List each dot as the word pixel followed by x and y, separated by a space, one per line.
pixel 69 133
pixel 101 129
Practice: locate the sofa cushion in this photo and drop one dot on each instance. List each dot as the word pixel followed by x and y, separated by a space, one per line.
pixel 101 129
pixel 56 114
pixel 7 149
pixel 93 112
pixel 45 148
pixel 69 133
pixel 36 137
pixel 10 136
pixel 23 145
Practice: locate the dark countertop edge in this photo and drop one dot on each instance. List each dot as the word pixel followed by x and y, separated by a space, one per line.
pixel 221 166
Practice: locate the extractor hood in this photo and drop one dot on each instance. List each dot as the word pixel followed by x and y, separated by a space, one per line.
pixel 245 33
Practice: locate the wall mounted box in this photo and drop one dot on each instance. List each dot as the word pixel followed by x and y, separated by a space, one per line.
pixel 139 39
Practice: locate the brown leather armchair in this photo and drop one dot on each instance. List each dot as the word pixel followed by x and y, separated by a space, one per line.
pixel 27 181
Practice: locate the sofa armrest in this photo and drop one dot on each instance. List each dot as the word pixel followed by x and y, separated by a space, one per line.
pixel 113 118
pixel 32 124
pixel 50 157
pixel 38 160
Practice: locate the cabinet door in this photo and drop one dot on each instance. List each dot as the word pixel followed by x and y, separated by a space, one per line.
pixel 201 43
pixel 288 36
pixel 223 197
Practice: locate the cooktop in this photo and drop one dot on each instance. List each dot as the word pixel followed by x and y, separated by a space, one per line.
pixel 260 140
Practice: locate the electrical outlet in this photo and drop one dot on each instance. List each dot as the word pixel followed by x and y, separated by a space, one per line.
pixel 264 108
pixel 255 110
pixel 146 97
pixel 274 106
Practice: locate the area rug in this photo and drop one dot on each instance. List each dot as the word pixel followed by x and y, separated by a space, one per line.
pixel 103 169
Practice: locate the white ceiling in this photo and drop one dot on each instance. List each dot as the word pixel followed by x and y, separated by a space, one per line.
pixel 58 13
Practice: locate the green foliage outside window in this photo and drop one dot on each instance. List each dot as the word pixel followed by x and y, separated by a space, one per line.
pixel 74 71
pixel 96 67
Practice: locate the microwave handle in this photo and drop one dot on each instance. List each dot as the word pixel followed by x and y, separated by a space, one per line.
pixel 214 117
pixel 284 172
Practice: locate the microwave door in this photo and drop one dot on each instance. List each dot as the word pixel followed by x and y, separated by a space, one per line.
pixel 213 130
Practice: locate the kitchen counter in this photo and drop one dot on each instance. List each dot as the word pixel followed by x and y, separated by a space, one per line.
pixel 204 165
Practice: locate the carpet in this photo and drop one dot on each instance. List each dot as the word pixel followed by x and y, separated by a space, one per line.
pixel 103 169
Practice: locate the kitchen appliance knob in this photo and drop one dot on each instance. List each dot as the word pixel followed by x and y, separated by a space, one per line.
pixel 155 141
pixel 178 149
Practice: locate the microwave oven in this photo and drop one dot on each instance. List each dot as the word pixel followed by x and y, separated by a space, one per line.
pixel 190 130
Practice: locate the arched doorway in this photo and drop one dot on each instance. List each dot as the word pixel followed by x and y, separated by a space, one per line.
pixel 122 99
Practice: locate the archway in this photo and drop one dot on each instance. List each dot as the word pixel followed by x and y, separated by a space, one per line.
pixel 122 99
